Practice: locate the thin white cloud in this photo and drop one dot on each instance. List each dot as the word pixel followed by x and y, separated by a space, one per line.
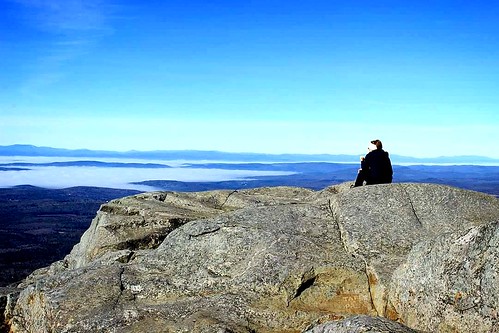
pixel 65 16
pixel 71 29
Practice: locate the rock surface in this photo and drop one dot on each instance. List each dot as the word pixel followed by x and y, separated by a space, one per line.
pixel 361 324
pixel 272 260
pixel 451 283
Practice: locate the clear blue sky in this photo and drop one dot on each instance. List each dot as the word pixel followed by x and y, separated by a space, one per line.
pixel 253 76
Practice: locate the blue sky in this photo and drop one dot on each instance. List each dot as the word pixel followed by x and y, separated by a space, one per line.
pixel 252 76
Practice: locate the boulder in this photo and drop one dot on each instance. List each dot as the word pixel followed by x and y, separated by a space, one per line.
pixel 381 224
pixel 142 221
pixel 262 260
pixel 450 283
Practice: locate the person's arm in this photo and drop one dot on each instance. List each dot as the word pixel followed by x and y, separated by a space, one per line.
pixel 390 169
pixel 364 162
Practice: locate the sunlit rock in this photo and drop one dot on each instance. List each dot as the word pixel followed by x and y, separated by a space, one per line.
pixel 264 260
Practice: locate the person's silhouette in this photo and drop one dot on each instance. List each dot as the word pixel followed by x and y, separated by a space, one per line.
pixel 376 167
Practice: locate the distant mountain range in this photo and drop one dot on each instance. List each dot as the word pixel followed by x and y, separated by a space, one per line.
pixel 203 155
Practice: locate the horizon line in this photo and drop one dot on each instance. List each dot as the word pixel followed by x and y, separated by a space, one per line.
pixel 156 151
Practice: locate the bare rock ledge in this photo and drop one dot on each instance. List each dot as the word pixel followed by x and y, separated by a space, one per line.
pixel 386 258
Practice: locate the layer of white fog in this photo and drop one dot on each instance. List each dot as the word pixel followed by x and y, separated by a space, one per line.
pixel 115 177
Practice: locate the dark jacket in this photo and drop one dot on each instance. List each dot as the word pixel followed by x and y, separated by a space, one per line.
pixel 377 167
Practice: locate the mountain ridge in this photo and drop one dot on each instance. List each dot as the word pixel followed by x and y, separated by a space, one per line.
pixel 32 150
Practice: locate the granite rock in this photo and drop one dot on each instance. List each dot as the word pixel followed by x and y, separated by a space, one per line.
pixel 450 283
pixel 362 324
pixel 263 260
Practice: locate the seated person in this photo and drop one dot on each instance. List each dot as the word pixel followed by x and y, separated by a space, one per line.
pixel 376 167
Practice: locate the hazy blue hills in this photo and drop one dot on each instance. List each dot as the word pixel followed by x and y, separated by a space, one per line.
pixel 198 155
pixel 24 165
pixel 194 155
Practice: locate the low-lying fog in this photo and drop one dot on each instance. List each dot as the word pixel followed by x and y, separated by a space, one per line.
pixel 113 177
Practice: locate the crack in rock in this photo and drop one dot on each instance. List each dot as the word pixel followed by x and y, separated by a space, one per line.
pixel 412 205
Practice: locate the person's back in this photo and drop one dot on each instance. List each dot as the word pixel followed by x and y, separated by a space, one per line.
pixel 376 167
pixel 379 167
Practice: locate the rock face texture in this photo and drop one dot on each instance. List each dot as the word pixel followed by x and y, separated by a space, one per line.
pixel 451 283
pixel 276 260
pixel 362 324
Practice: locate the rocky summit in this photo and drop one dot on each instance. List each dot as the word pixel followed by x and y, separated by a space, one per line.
pixel 398 257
